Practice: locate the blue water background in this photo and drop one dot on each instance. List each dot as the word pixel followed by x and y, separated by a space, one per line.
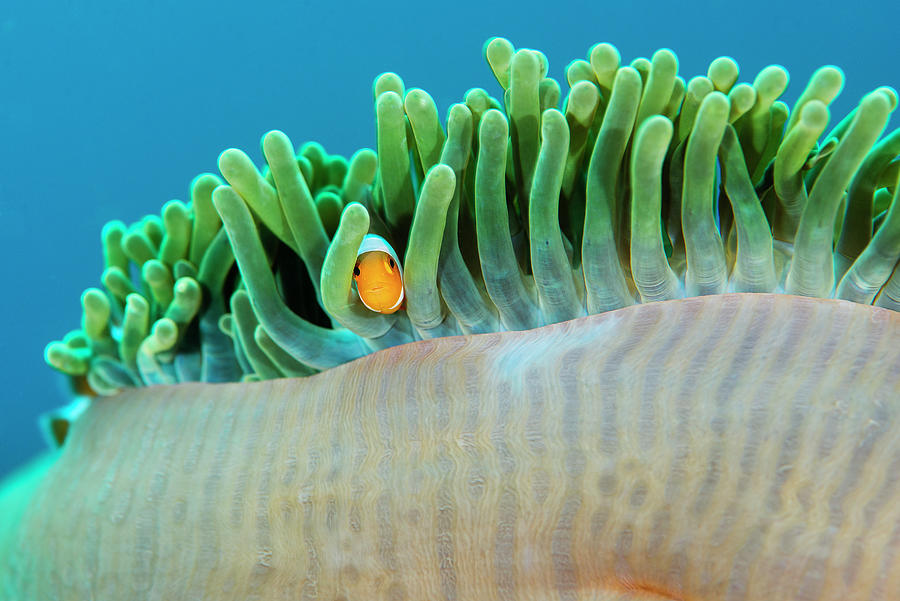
pixel 108 110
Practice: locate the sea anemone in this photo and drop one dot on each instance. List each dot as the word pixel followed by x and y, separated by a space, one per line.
pixel 582 445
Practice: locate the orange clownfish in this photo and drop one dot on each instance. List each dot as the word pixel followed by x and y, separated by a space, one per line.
pixel 378 275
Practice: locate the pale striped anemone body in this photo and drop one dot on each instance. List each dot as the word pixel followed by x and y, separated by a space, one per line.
pixel 578 440
pixel 721 447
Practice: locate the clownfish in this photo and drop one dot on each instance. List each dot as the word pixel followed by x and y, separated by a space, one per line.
pixel 378 275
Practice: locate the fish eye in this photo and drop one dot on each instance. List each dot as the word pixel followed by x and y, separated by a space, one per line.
pixel 392 263
pixel 356 270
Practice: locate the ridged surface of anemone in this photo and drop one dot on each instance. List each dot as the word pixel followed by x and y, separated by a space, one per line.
pixel 734 447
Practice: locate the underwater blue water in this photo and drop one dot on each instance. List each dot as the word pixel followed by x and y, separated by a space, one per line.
pixel 109 109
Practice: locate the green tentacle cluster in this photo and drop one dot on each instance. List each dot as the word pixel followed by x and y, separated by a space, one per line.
pixel 513 214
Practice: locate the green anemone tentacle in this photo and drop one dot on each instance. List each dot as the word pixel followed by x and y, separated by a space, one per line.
pixel 654 278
